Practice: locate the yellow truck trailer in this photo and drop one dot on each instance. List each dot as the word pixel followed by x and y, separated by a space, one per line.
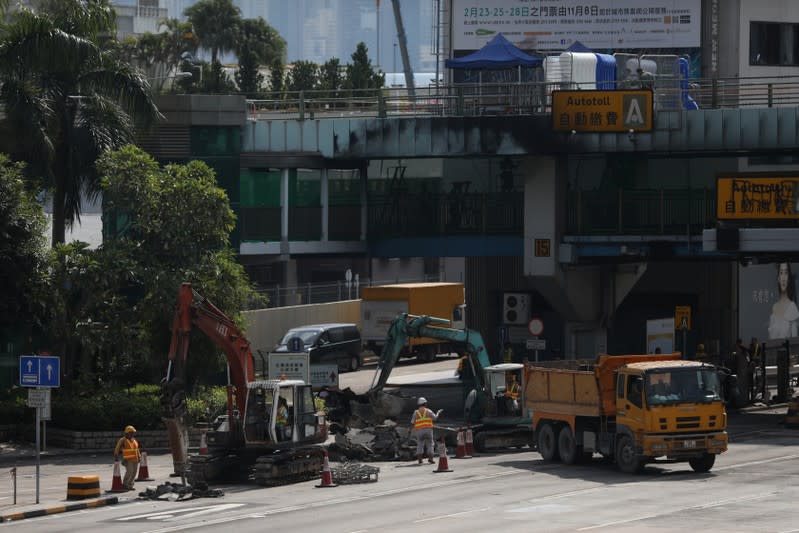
pixel 632 409
pixel 381 304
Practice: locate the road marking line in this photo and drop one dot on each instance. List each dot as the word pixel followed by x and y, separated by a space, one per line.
pixel 754 463
pixel 680 509
pixel 451 515
pixel 184 512
pixel 326 503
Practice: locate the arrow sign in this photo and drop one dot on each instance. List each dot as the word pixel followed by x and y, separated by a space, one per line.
pixel 39 371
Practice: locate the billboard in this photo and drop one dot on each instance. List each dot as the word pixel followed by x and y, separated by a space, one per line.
pixel 556 24
pixel 767 307
pixel 757 197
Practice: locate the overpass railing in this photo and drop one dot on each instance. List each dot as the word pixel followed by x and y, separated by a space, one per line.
pixel 526 98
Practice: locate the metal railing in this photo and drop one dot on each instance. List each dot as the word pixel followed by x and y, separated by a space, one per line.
pixel 317 293
pixel 525 98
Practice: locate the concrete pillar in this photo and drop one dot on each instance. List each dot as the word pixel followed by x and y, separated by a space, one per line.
pixel 324 199
pixel 542 210
pixel 284 205
pixel 363 174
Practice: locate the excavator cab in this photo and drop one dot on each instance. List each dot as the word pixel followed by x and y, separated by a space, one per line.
pixel 280 412
pixel 503 384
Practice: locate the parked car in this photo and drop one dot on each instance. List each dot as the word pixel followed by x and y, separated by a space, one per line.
pixel 338 344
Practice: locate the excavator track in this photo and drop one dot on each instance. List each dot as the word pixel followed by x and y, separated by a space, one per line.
pixel 289 466
pixel 215 468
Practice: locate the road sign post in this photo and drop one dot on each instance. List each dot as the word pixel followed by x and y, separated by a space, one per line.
pixel 44 373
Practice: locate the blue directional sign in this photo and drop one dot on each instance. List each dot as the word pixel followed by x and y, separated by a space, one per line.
pixel 39 371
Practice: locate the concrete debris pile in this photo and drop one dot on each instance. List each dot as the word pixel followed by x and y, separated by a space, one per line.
pixel 178 492
pixel 385 442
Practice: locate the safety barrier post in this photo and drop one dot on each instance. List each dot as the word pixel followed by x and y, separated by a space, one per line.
pixel 14 483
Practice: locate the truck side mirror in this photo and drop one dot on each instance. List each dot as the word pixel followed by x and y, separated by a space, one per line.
pixel 471 398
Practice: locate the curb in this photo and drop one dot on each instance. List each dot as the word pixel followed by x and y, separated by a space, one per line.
pixel 13 517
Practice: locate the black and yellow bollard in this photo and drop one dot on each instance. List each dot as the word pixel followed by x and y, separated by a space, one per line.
pixel 82 487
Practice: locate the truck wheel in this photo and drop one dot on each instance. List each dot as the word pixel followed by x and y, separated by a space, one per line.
pixel 547 443
pixel 629 462
pixel 354 363
pixel 702 464
pixel 569 452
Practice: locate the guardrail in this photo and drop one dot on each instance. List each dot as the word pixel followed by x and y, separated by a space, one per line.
pixel 525 98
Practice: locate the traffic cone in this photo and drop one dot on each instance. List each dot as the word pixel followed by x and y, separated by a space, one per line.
pixel 203 444
pixel 460 450
pixel 469 443
pixel 443 463
pixel 116 482
pixel 327 476
pixel 144 473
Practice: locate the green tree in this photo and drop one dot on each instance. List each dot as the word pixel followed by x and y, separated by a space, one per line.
pixel 257 44
pixel 331 79
pixel 22 245
pixel 361 76
pixel 66 100
pixel 304 76
pixel 216 24
pixel 276 78
pixel 113 306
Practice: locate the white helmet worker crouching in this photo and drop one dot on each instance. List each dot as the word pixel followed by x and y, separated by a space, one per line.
pixel 421 401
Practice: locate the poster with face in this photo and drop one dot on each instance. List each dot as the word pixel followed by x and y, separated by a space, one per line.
pixel 767 302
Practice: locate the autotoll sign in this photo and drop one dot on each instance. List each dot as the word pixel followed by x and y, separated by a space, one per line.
pixel 602 111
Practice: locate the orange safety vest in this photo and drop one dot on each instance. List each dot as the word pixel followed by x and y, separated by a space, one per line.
pixel 513 392
pixel 130 449
pixel 423 420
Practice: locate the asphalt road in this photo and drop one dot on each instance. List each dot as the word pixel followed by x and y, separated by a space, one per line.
pixel 751 489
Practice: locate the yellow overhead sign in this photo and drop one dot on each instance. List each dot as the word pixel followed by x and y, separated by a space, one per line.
pixel 757 197
pixel 602 111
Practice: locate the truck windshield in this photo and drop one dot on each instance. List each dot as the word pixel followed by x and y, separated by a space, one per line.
pixel 681 385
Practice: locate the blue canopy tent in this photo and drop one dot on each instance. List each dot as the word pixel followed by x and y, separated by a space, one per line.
pixel 577 46
pixel 497 54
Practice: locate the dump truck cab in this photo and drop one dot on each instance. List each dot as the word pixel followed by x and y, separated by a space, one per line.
pixel 671 409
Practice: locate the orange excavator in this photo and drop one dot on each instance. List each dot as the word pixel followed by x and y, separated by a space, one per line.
pixel 270 431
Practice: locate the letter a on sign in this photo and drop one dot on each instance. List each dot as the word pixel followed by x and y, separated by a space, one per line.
pixel 637 111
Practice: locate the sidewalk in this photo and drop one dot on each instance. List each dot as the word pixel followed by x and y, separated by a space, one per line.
pixel 23 454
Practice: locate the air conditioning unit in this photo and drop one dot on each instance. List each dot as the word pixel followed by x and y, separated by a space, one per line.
pixel 515 308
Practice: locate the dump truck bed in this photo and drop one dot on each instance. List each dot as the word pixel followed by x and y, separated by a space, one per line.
pixel 579 387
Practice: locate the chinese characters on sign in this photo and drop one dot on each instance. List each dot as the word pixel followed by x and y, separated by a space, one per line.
pixel 289 366
pixel 598 24
pixel 757 197
pixel 602 111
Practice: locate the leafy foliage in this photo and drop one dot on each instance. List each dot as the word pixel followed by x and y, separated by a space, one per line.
pixel 22 244
pixel 361 74
pixel 67 97
pixel 257 44
pixel 217 24
pixel 110 309
pixel 303 76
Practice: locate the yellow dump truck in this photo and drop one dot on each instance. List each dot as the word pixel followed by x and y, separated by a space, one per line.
pixel 381 304
pixel 632 409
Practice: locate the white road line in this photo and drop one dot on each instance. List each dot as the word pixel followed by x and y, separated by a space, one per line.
pixel 183 512
pixel 326 503
pixel 754 463
pixel 451 515
pixel 681 509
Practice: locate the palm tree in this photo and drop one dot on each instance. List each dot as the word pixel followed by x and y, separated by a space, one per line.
pixel 66 100
pixel 216 24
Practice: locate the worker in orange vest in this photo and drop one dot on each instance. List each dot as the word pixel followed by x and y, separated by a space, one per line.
pixel 422 424
pixel 128 447
pixel 512 392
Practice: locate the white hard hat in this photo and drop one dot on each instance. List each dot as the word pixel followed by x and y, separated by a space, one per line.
pixel 421 401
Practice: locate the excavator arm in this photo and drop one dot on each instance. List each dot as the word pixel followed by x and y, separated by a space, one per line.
pixel 194 310
pixel 405 326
